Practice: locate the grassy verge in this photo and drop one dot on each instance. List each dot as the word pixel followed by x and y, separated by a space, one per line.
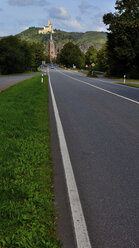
pixel 127 80
pixel 83 72
pixel 27 215
pixel 129 84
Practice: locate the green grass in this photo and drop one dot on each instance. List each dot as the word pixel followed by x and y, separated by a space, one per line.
pixel 122 79
pixel 27 214
pixel 129 84
pixel 83 72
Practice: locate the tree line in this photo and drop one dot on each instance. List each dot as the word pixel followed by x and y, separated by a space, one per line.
pixel 120 55
pixel 18 56
pixel 71 55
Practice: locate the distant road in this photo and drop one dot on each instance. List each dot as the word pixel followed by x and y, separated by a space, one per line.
pixel 100 121
pixel 8 81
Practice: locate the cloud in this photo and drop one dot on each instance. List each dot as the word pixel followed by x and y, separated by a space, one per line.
pixel 23 3
pixel 98 18
pixel 85 6
pixel 97 21
pixel 23 28
pixel 101 29
pixel 73 24
pixel 68 25
pixel 13 30
pixel 25 21
pixel 59 13
pixel 1 9
pixel 64 19
pixel 78 18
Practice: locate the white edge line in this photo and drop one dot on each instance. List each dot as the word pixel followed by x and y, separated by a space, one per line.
pixel 80 227
pixel 108 82
pixel 123 97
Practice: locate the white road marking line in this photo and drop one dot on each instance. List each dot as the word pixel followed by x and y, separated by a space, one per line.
pixel 114 83
pixel 80 228
pixel 123 97
pixel 108 82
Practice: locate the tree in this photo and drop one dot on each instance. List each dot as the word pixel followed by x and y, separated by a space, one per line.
pixel 123 39
pixel 91 55
pixel 26 59
pixel 15 55
pixel 71 54
pixel 102 63
pixel 37 51
pixel 19 56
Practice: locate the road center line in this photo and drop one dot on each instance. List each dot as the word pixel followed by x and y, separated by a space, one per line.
pixel 109 92
pixel 80 228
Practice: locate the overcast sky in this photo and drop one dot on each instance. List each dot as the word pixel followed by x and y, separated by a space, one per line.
pixel 68 15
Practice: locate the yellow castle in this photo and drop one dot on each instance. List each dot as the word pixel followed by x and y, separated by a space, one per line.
pixel 47 29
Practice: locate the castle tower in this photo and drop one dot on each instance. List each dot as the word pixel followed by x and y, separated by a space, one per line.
pixel 52 53
pixel 47 29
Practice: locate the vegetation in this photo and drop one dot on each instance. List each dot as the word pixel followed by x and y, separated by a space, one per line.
pixel 37 55
pixel 123 39
pixel 71 55
pixel 15 55
pixel 116 53
pixel 83 40
pixel 129 84
pixel 91 56
pixel 27 216
pixel 19 56
pixel 102 60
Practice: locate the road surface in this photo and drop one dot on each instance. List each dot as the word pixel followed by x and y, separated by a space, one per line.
pixel 100 122
pixel 7 81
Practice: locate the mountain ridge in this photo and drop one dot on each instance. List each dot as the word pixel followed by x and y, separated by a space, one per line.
pixel 83 39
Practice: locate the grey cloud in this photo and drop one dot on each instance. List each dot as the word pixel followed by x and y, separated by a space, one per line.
pixel 25 21
pixel 97 21
pixel 85 6
pixel 99 16
pixel 78 18
pixel 27 2
pixel 59 13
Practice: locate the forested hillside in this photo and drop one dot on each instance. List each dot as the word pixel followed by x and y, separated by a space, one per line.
pixel 83 40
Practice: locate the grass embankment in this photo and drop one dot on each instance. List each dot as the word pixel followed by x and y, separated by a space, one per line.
pixel 27 215
pixel 129 84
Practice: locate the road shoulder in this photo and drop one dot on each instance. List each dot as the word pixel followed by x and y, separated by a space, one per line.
pixel 64 219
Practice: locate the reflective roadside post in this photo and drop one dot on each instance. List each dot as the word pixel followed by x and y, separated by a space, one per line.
pixel 42 79
pixel 124 78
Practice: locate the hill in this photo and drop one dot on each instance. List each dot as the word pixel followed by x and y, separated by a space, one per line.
pixel 83 40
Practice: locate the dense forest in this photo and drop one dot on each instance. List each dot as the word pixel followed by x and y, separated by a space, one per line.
pixel 19 56
pixel 122 46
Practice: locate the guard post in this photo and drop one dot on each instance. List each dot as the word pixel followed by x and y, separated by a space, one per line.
pixel 42 79
pixel 124 78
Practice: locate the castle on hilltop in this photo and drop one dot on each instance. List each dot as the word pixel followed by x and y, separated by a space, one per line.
pixel 47 29
pixel 51 47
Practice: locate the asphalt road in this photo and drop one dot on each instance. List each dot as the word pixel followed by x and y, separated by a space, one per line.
pixel 8 81
pixel 101 130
